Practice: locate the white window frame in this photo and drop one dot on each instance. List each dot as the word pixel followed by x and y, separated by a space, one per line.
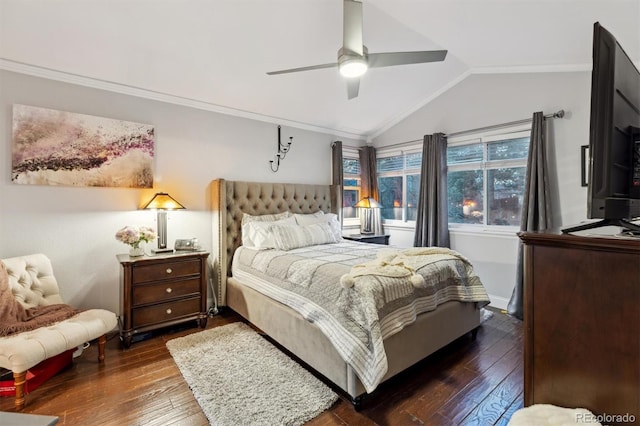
pixel 486 138
pixel 351 221
pixel 394 152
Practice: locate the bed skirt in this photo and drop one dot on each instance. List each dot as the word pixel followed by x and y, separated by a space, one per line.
pixel 431 331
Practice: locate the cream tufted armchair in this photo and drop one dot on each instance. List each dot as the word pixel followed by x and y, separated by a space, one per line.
pixel 33 284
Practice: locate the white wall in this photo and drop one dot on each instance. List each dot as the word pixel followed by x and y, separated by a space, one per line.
pixel 482 100
pixel 75 226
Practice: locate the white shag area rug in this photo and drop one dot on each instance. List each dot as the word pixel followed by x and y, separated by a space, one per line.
pixel 239 378
pixel 552 415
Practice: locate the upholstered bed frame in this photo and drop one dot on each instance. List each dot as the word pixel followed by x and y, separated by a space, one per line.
pixel 229 200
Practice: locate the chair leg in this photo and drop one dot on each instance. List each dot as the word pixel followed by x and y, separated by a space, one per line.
pixel 102 340
pixel 19 380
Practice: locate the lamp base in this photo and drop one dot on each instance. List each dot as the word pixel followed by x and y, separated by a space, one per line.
pixel 164 250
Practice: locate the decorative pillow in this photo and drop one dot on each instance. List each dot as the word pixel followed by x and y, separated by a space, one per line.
pixel 321 217
pixel 334 224
pixel 246 218
pixel 290 237
pixel 257 234
pixel 309 219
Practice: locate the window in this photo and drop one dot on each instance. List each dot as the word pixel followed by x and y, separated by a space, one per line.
pixel 399 184
pixel 351 186
pixel 486 178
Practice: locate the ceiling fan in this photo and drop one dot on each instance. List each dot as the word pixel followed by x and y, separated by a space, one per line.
pixel 353 57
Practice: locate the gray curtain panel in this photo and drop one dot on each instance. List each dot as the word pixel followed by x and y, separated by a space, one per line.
pixel 369 183
pixel 432 221
pixel 337 170
pixel 536 208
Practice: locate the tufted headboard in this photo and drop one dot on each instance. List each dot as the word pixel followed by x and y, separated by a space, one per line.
pixel 230 199
pixel 32 281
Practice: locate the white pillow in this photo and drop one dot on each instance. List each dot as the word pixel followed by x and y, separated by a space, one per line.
pixel 321 217
pixel 309 219
pixel 334 224
pixel 290 237
pixel 256 234
pixel 246 218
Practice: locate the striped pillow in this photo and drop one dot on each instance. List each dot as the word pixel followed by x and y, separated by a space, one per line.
pixel 257 234
pixel 290 237
pixel 246 218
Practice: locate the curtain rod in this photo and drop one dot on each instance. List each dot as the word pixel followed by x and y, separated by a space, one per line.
pixel 558 114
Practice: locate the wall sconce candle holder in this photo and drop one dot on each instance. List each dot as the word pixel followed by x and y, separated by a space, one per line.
pixel 282 152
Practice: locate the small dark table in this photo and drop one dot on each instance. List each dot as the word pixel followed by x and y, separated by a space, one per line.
pixel 366 238
pixel 162 290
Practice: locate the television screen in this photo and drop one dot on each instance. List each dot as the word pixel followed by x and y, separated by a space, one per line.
pixel 614 159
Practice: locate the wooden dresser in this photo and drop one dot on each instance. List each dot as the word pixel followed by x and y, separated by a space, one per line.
pixel 582 323
pixel 161 290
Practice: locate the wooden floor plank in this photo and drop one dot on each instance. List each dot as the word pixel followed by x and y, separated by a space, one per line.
pixel 470 382
pixel 517 404
pixel 463 403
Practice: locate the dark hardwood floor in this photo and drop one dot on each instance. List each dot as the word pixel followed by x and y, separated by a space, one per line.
pixel 468 382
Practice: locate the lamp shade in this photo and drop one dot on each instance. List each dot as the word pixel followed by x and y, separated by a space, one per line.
pixel 368 203
pixel 163 201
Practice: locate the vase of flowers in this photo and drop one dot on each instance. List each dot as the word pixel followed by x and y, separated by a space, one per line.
pixel 134 236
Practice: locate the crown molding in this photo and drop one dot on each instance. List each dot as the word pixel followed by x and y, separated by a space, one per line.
pixel 477 70
pixel 522 69
pixel 66 77
pixel 95 83
pixel 406 113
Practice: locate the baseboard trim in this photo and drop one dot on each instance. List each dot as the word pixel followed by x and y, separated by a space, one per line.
pixel 499 302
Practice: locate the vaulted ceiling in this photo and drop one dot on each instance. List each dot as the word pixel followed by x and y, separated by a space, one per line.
pixel 214 54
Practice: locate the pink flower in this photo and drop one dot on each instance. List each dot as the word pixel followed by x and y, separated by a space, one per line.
pixel 134 235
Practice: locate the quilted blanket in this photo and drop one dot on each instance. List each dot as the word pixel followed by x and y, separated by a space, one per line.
pixel 358 294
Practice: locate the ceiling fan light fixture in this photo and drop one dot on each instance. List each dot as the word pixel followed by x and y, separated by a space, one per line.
pixel 353 57
pixel 352 68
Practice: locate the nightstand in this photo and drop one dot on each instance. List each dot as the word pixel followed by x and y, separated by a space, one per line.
pixel 161 290
pixel 372 239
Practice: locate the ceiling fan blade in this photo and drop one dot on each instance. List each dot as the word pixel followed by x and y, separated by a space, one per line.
pixel 352 27
pixel 377 60
pixel 353 86
pixel 312 67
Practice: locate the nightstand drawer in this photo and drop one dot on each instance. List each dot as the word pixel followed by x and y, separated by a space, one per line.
pixel 165 312
pixel 167 270
pixel 154 293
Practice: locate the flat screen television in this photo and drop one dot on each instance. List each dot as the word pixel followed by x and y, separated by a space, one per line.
pixel 614 137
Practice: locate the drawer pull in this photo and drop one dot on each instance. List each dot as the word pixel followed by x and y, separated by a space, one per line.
pixel 169 311
pixel 168 290
pixel 169 270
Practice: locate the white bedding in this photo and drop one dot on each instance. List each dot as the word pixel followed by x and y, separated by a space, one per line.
pixel 357 319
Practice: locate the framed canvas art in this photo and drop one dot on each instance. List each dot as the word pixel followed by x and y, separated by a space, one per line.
pixel 52 147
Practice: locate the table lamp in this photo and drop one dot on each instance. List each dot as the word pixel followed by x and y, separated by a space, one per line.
pixel 366 220
pixel 162 202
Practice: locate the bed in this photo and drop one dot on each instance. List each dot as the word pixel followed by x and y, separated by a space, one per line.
pixel 307 337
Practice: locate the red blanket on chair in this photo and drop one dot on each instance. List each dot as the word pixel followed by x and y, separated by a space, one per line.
pixel 14 318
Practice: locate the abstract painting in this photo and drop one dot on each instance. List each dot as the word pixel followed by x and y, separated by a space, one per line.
pixel 52 147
